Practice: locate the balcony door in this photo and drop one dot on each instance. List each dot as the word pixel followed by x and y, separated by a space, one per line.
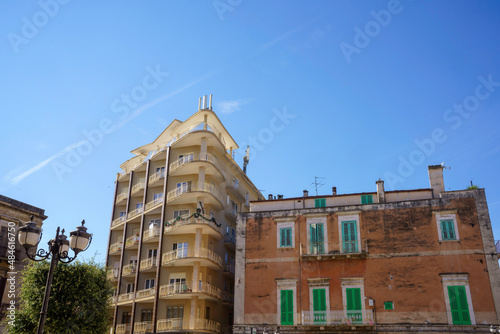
pixel 319 306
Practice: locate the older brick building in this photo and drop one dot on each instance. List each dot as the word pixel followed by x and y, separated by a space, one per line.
pixel 419 260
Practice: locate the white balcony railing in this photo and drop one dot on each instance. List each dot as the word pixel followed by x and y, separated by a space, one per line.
pixel 166 325
pixel 174 224
pixel 139 185
pixel 200 186
pixel 129 269
pixel 157 201
pixel 146 293
pixel 143 327
pixel 113 273
pixel 181 288
pixel 123 329
pixel 148 263
pixel 126 297
pixel 116 247
pixel 121 196
pixel 156 176
pixel 135 213
pixel 132 240
pixel 207 325
pixel 118 221
pixel 151 233
pixel 198 156
pixel 322 318
pixel 203 253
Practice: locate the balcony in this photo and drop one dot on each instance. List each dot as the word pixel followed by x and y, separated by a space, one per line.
pixel 186 290
pixel 134 213
pixel 187 257
pixel 169 325
pixel 126 297
pixel 156 203
pixel 143 327
pixel 230 241
pixel 191 224
pixel 236 190
pixel 230 213
pixel 190 164
pixel 113 274
pixel 229 269
pixel 151 234
pixel 207 325
pixel 333 318
pixel 155 178
pixel 118 222
pixel 138 186
pixel 176 325
pixel 129 270
pixel 123 329
pixel 227 298
pixel 115 248
pixel 132 242
pixel 188 193
pixel 145 294
pixel 350 251
pixel 112 300
pixel 148 265
pixel 121 197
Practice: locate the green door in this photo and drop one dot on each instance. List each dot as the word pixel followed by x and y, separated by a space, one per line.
pixel 319 306
pixel 459 306
pixel 353 296
pixel 287 307
pixel 349 236
pixel 316 235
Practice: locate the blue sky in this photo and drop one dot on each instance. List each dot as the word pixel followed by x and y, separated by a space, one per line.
pixel 351 91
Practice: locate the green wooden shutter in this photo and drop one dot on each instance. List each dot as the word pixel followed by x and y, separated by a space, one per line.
pixel 353 296
pixel 286 237
pixel 320 238
pixel 349 236
pixel 448 229
pixel 319 306
pixel 287 307
pixel 312 236
pixel 459 307
pixel 319 202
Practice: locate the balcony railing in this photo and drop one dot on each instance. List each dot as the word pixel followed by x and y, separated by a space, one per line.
pixel 125 297
pixel 198 156
pixel 121 196
pixel 174 224
pixel 322 318
pixel 190 253
pixel 143 327
pixel 207 325
pixel 146 293
pixel 148 263
pixel 201 186
pixel 139 185
pixel 156 176
pixel 131 241
pixel 182 288
pixel 229 268
pixel 228 297
pixel 230 239
pixel 135 213
pixel 151 233
pixel 113 273
pixel 116 247
pixel 118 221
pixel 155 202
pixel 167 325
pixel 129 269
pixel 123 329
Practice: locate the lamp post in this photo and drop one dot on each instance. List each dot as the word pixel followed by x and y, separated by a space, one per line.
pixel 30 235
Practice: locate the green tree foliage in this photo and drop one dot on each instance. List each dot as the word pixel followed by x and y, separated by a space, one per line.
pixel 79 300
pixel 472 186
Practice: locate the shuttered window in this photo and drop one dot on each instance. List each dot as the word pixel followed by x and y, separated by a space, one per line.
pixel 353 296
pixel 286 307
pixel 349 236
pixel 448 229
pixel 319 202
pixel 366 199
pixel 319 306
pixel 317 239
pixel 286 237
pixel 459 306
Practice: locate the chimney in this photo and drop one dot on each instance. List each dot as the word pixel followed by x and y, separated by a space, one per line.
pixel 280 196
pixel 334 191
pixel 306 193
pixel 380 191
pixel 270 196
pixel 436 179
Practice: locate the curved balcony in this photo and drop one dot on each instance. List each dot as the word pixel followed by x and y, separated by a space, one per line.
pixel 145 294
pixel 138 186
pixel 191 224
pixel 187 290
pixel 181 195
pixel 118 223
pixel 191 163
pixel 129 270
pixel 121 197
pixel 154 180
pixel 134 214
pixel 132 242
pixel 143 327
pixel 115 248
pixel 177 325
pixel 169 325
pixel 187 257
pixel 148 265
pixel 151 234
pixel 154 205
pixel 236 190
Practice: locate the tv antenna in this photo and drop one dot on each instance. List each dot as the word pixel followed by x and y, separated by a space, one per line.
pixel 246 159
pixel 318 183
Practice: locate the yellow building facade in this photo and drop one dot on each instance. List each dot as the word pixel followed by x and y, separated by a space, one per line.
pixel 172 235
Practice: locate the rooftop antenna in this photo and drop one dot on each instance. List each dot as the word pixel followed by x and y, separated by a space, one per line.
pixel 318 183
pixel 246 159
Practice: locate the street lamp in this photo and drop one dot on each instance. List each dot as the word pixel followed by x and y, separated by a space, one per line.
pixel 30 235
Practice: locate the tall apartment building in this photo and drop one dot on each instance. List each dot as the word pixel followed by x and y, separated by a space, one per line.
pixel 13 214
pixel 172 236
pixel 412 261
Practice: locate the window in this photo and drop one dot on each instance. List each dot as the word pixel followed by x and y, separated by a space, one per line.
pixel 349 237
pixel 316 238
pixel 181 248
pixel 183 158
pixel 319 306
pixel 138 207
pixel 130 287
pixel 207 313
pixel 181 213
pixel 146 315
pixel 388 305
pixel 183 187
pixel 157 197
pixel 149 283
pixel 235 183
pixel 175 312
pixel 286 237
pixel 126 317
pixel 285 228
pixel 366 199
pixel 353 296
pixel 319 202
pixel 154 223
pixel 122 213
pixel 458 299
pixel 161 171
pixel 446 223
pixel 286 307
pixel 152 253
